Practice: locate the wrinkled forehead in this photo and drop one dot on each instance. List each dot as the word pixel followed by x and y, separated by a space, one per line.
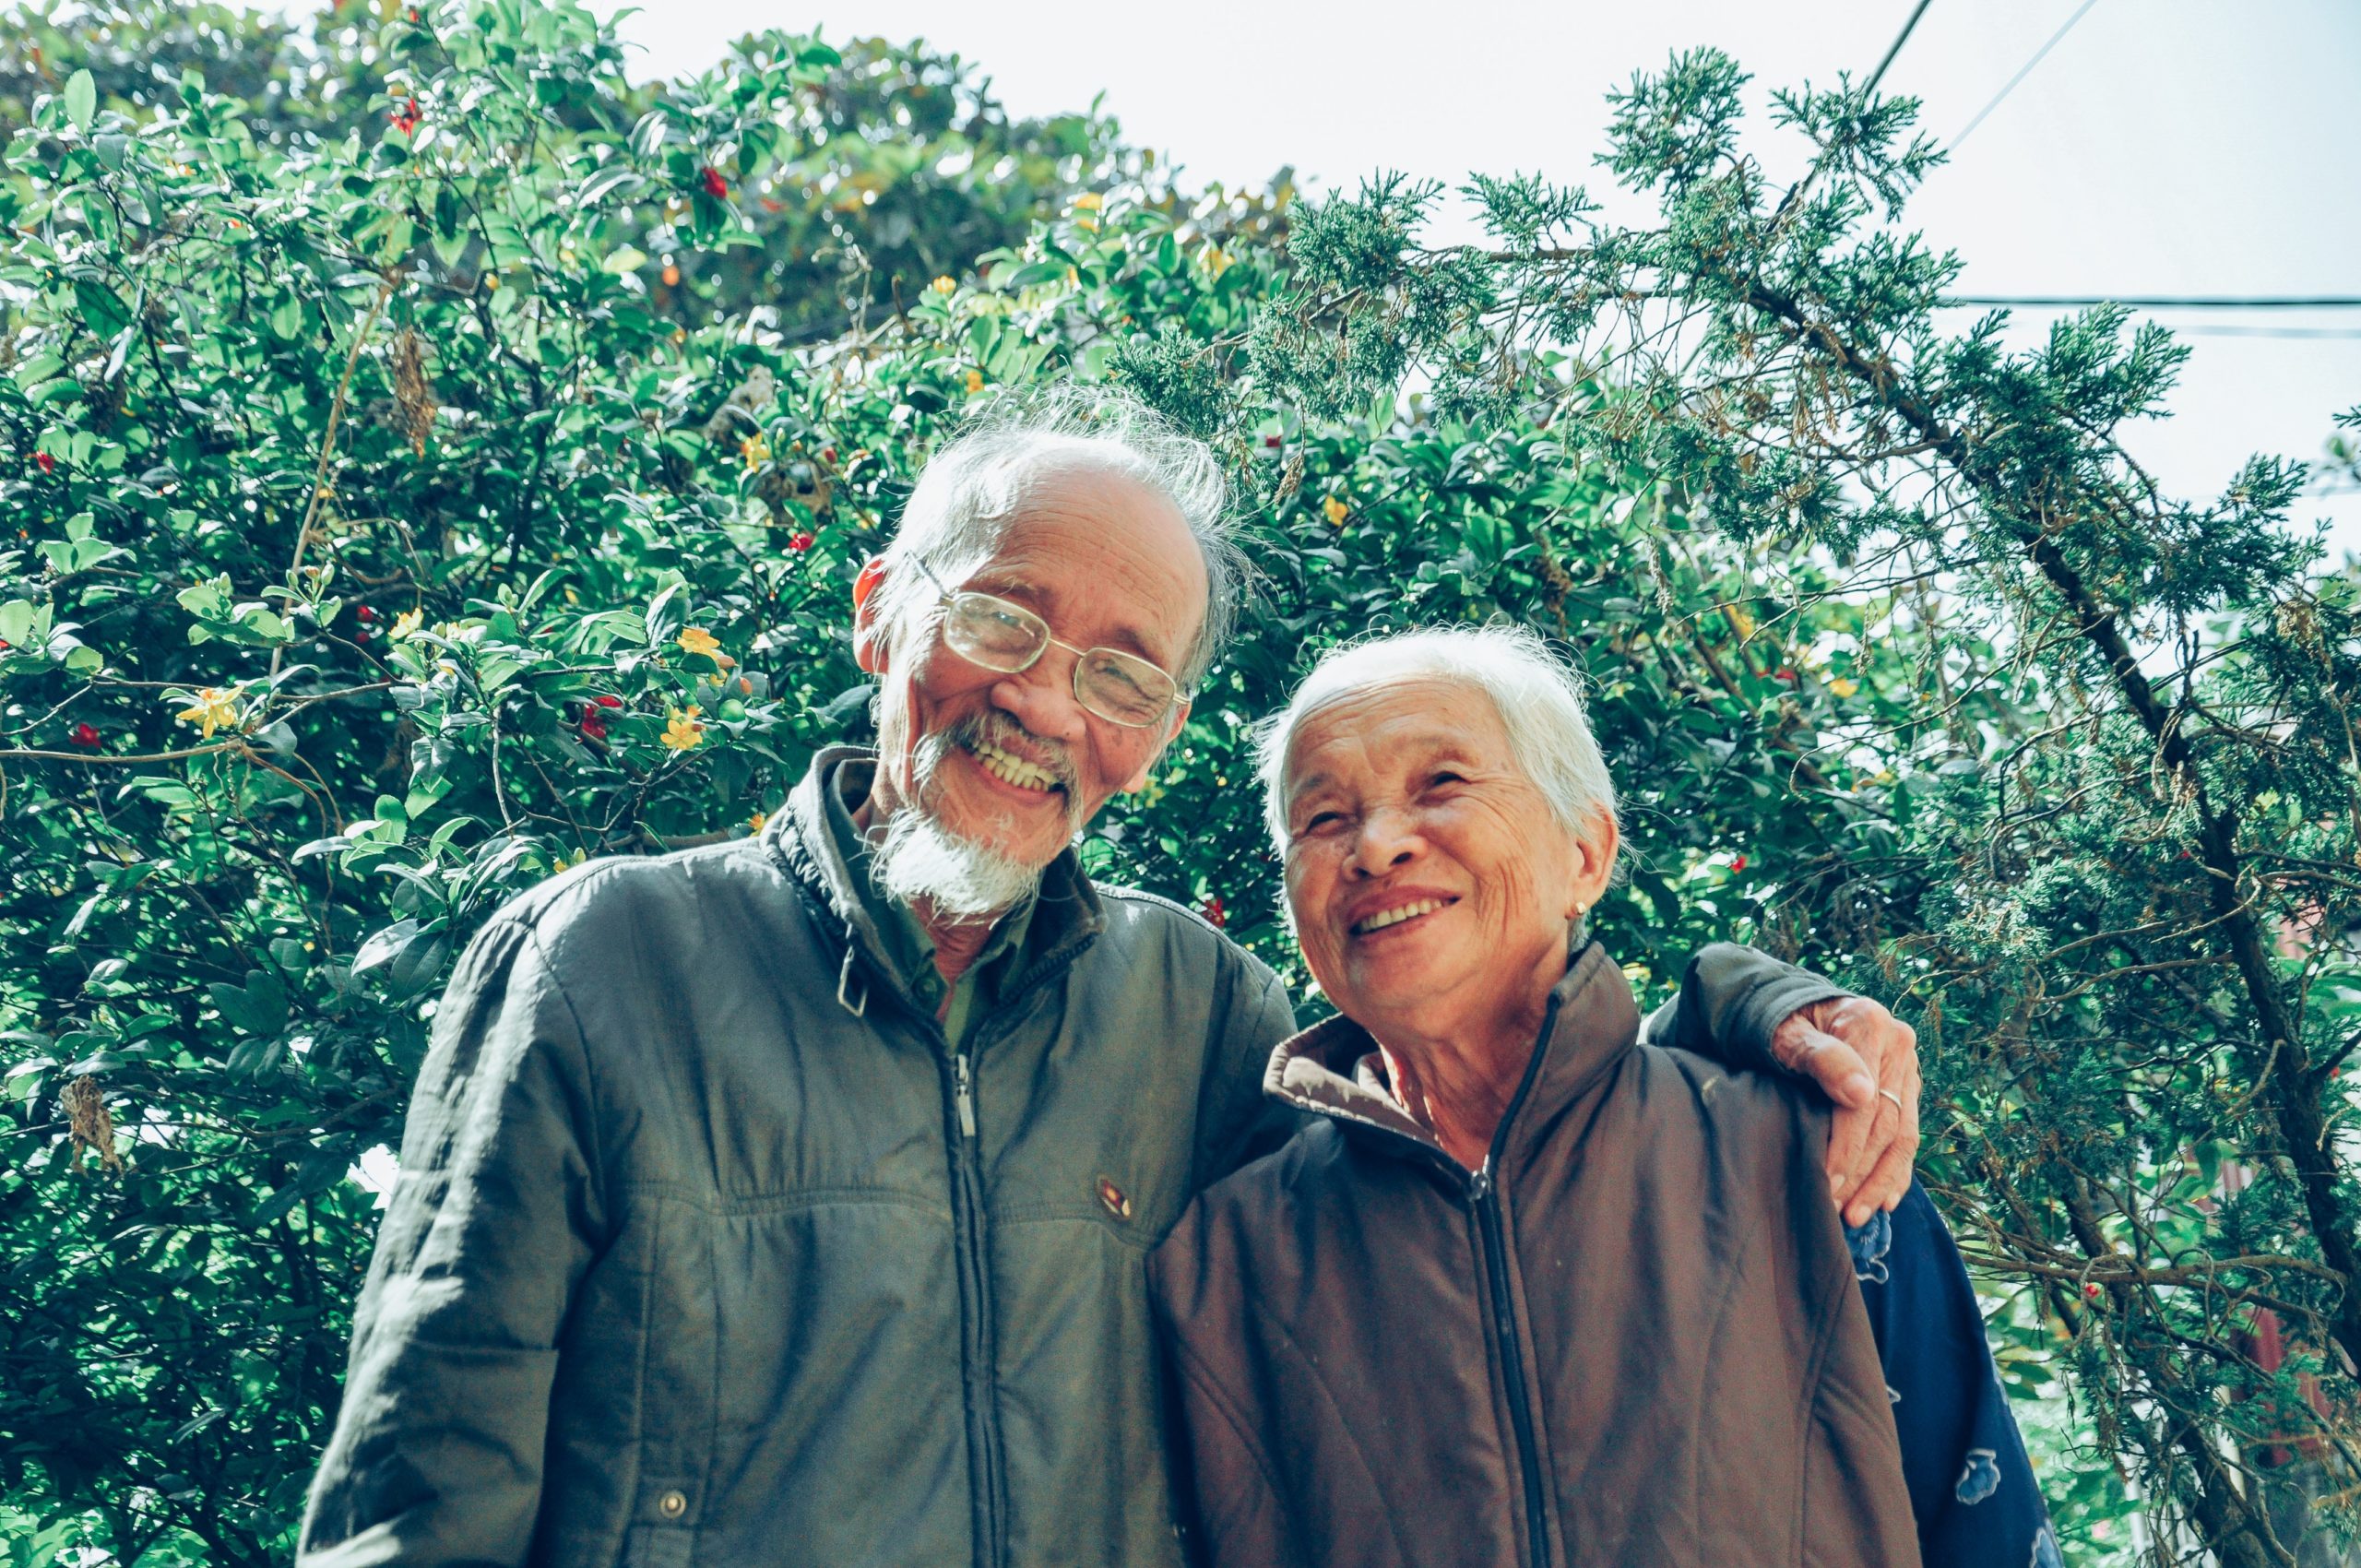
pixel 1384 721
pixel 1092 545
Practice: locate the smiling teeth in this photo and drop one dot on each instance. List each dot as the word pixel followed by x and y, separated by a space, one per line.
pixel 1396 917
pixel 1012 769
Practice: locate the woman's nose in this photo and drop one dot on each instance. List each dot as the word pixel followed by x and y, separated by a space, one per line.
pixel 1389 837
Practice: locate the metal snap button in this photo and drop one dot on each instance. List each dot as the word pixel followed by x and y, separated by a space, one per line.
pixel 1112 1197
pixel 672 1504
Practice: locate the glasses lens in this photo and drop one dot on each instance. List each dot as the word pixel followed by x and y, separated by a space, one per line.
pixel 994 633
pixel 1127 690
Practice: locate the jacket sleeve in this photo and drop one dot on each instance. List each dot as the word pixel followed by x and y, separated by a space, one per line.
pixel 437 1450
pixel 1732 1000
pixel 1971 1485
pixel 1237 1122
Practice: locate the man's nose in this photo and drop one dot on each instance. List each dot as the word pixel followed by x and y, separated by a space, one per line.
pixel 1389 837
pixel 1042 698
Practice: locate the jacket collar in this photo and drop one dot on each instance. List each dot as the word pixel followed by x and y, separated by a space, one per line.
pixel 1333 1069
pixel 1066 914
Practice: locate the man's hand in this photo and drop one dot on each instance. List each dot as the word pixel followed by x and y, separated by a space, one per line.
pixel 1867 1060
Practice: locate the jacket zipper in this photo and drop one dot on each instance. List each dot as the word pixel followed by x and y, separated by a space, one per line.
pixel 977 1332
pixel 1486 1202
pixel 976 1297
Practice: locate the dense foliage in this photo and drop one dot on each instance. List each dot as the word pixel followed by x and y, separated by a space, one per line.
pixel 431 458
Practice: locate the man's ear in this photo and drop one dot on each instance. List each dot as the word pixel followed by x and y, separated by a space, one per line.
pixel 870 643
pixel 1138 781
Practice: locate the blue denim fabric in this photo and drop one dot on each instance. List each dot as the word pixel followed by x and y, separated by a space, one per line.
pixel 1971 1484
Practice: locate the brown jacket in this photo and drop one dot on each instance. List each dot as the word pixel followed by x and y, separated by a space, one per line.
pixel 1633 1339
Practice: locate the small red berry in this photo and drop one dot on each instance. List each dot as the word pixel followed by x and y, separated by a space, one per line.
pixel 44 462
pixel 1270 441
pixel 362 613
pixel 1216 916
pixel 827 454
pixel 361 635
pixel 715 185
pixel 84 735
pixel 1737 863
pixel 799 543
pixel 2091 1292
pixel 607 699
pixel 1787 675
pixel 593 727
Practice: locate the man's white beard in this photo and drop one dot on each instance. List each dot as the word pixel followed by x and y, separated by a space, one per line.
pixel 919 860
pixel 922 862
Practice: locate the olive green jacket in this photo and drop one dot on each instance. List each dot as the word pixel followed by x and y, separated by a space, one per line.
pixel 707 1248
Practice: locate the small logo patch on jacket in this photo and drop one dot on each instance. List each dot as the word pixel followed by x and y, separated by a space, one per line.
pixel 1112 1197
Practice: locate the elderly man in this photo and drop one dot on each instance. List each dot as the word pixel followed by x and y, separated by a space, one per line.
pixel 786 1202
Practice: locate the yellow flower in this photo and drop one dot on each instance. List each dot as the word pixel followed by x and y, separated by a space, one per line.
pixel 1742 621
pixel 1088 201
pixel 682 731
pixel 697 639
pixel 406 624
pixel 945 285
pixel 214 708
pixel 756 823
pixel 756 450
pixel 1336 509
pixel 975 381
pixel 1842 687
pixel 1214 259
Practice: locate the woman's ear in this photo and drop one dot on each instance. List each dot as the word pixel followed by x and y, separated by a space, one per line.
pixel 1594 865
pixel 870 646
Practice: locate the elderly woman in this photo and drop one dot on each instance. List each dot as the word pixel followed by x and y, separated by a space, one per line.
pixel 1527 1289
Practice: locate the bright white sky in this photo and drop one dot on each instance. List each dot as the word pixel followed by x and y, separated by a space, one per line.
pixel 2165 146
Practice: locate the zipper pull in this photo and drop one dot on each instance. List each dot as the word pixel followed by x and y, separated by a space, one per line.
pixel 1479 1186
pixel 964 1094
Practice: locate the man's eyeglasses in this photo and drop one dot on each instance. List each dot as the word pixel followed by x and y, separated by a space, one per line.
pixel 1120 687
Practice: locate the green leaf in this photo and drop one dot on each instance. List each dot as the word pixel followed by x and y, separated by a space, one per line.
pixel 81 100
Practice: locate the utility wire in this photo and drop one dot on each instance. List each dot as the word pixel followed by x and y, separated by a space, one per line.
pixel 2023 72
pixel 1904 37
pixel 2202 330
pixel 2167 302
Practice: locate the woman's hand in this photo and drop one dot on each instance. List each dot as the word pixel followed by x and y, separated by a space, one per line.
pixel 1866 1060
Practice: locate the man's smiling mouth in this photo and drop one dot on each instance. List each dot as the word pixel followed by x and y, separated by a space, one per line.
pixel 1385 918
pixel 1011 770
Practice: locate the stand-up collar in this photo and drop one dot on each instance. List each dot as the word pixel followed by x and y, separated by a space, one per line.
pixel 1333 1069
pixel 1065 914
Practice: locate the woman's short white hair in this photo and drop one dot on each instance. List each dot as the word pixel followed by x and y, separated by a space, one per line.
pixel 1538 695
pixel 970 492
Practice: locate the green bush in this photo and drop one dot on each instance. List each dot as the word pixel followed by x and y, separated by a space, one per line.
pixel 438 459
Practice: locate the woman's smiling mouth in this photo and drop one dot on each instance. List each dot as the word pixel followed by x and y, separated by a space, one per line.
pixel 1387 918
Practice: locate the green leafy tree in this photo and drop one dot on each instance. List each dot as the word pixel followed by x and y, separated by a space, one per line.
pixel 388 528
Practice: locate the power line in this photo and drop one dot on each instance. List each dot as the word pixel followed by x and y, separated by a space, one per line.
pixel 1904 37
pixel 2204 330
pixel 2022 73
pixel 2166 302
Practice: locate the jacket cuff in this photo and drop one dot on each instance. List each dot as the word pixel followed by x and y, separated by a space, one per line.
pixel 1766 1004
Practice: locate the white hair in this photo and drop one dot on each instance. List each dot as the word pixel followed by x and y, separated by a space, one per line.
pixel 1539 698
pixel 971 491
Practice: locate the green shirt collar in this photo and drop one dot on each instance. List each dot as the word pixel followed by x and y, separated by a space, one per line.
pixel 907 947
